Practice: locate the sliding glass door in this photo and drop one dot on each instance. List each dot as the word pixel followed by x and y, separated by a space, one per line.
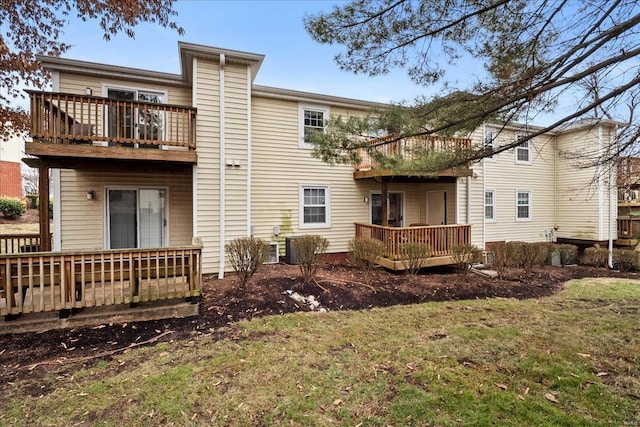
pixel 137 218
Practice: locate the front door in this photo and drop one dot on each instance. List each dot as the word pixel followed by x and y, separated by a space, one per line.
pixel 137 218
pixel 395 209
pixel 436 207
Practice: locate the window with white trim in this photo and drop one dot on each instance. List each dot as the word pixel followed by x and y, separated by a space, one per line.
pixel 314 206
pixel 489 143
pixel 490 205
pixel 523 150
pixel 523 205
pixel 312 119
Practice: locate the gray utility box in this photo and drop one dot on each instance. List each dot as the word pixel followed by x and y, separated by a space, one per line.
pixel 290 255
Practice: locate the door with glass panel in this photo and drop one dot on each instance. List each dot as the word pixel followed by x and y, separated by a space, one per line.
pixel 133 121
pixel 136 218
pixel 395 207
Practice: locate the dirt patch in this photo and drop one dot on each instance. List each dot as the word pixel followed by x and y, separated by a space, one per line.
pixel 31 216
pixel 338 287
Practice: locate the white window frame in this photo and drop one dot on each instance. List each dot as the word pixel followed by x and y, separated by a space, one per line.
pixel 529 205
pixel 327 206
pixel 524 148
pixel 491 135
pixel 301 110
pixel 493 205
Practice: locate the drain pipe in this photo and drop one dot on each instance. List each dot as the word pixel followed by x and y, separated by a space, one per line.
pixel 613 201
pixel 222 171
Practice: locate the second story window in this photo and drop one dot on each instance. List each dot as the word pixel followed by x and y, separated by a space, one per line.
pixel 523 150
pixel 312 119
pixel 489 143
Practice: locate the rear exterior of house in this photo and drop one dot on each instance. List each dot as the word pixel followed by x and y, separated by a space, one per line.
pixel 246 170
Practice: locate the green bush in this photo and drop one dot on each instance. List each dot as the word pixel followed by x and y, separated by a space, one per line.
pixel 310 250
pixel 625 259
pixel 245 255
pixel 364 252
pixel 34 201
pixel 566 253
pixel 464 256
pixel 500 257
pixel 596 256
pixel 412 255
pixel 12 208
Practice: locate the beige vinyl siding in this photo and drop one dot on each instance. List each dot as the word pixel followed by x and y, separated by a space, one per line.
pixel 423 189
pixel 506 177
pixel 83 221
pixel 207 87
pixel 582 200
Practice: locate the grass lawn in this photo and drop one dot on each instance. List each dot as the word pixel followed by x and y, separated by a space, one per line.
pixel 19 228
pixel 569 360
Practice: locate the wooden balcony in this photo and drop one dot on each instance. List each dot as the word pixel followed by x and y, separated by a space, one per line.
pixel 628 231
pixel 628 172
pixel 408 149
pixel 63 281
pixel 441 239
pixel 19 243
pixel 66 127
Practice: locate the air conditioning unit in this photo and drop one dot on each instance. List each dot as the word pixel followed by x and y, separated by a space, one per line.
pixel 274 255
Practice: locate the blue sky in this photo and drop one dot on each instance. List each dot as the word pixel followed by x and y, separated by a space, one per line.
pixel 272 28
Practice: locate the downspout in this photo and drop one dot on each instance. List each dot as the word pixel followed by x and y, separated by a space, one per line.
pixel 600 172
pixel 222 171
pixel 249 159
pixel 484 220
pixel 194 168
pixel 613 202
pixel 57 188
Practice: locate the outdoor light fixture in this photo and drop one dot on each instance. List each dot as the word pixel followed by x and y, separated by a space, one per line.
pixel 90 195
pixel 365 199
pixel 88 91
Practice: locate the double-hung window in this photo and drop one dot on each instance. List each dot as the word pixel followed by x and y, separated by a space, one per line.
pixel 523 205
pixel 490 205
pixel 523 150
pixel 312 119
pixel 489 143
pixel 314 206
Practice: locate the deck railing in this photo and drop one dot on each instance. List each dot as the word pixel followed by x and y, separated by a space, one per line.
pixel 440 238
pixel 54 281
pixel 628 228
pixel 408 148
pixel 19 243
pixel 67 118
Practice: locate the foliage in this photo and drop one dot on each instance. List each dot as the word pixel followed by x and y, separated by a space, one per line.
pixel 12 208
pixel 364 252
pixel 596 256
pixel 35 27
pixel 625 259
pixel 245 255
pixel 525 255
pixel 532 53
pixel 412 255
pixel 464 256
pixel 566 253
pixel 34 201
pixel 499 257
pixel 310 250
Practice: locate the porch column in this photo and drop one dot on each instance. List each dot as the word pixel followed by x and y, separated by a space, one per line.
pixel 385 204
pixel 43 207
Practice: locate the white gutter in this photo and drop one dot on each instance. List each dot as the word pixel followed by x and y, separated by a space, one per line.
pixel 613 202
pixel 194 169
pixel 600 171
pixel 222 171
pixel 484 220
pixel 249 159
pixel 57 188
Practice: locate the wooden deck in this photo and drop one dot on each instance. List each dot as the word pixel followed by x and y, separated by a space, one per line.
pixel 82 126
pixel 19 243
pixel 56 281
pixel 441 239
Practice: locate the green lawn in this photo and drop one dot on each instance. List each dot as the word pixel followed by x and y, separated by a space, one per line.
pixel 568 360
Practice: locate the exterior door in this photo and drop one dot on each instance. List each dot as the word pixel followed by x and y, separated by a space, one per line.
pixel 395 209
pixel 128 122
pixel 137 218
pixel 436 207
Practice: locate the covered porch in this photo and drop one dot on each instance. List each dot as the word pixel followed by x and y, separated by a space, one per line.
pixel 440 238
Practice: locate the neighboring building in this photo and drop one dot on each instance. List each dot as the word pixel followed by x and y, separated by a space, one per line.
pixel 233 162
pixel 10 166
pixel 628 171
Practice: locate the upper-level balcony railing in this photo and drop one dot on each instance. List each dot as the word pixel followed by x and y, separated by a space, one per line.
pixel 67 118
pixel 409 148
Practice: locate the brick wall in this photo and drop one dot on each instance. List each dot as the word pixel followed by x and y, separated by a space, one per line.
pixel 10 179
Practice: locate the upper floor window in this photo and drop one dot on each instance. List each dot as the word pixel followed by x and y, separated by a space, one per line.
pixel 523 150
pixel 490 205
pixel 312 119
pixel 489 143
pixel 523 205
pixel 314 206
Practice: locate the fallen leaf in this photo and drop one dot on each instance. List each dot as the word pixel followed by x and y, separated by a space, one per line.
pixel 500 385
pixel 526 391
pixel 337 402
pixel 551 397
pixel 521 397
pixel 583 354
pixel 602 374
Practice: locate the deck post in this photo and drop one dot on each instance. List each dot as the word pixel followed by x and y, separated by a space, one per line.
pixel 43 207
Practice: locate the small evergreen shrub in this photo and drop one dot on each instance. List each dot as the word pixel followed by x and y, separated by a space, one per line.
pixel 625 259
pixel 12 208
pixel 310 250
pixel 245 255
pixel 364 252
pixel 412 255
pixel 566 253
pixel 596 256
pixel 464 256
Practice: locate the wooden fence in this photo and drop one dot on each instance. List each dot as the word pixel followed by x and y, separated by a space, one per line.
pixel 53 281
pixel 19 243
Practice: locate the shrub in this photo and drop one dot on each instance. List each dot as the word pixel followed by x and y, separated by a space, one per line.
pixel 310 249
pixel 34 201
pixel 412 255
pixel 364 252
pixel 12 208
pixel 464 256
pixel 500 257
pixel 533 254
pixel 596 256
pixel 566 253
pixel 625 259
pixel 245 255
